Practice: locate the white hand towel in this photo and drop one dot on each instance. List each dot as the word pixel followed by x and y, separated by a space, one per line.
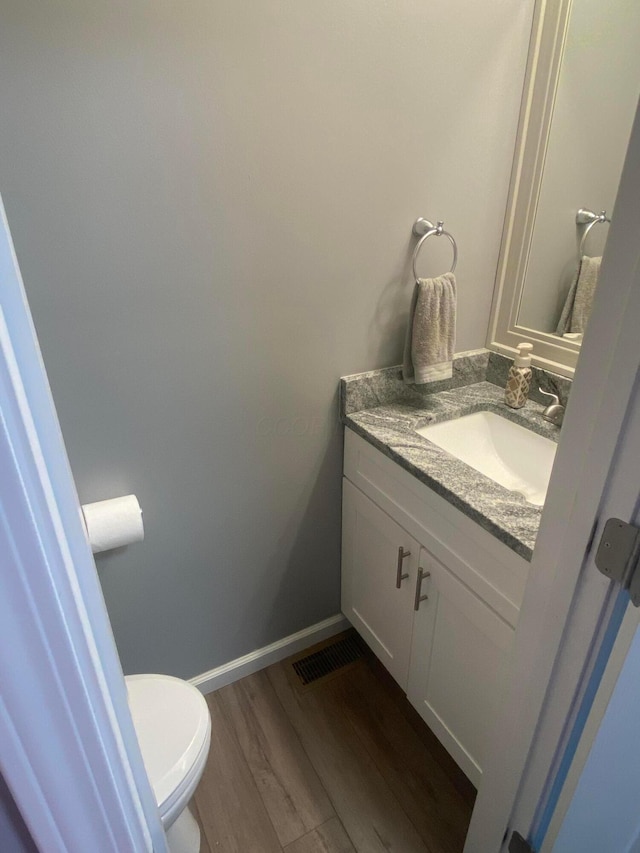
pixel 431 334
pixel 577 306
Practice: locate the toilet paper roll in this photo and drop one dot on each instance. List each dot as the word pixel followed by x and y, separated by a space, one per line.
pixel 113 523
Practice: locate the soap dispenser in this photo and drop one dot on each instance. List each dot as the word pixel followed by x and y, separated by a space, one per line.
pixel 519 380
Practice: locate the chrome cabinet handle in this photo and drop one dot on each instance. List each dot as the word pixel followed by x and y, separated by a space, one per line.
pixel 399 576
pixel 421 575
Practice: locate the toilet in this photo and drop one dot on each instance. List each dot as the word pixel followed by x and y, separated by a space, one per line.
pixel 173 726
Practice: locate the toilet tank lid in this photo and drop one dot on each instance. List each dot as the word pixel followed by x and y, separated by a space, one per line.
pixel 172 723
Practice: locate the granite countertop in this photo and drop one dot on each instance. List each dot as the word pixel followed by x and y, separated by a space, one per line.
pixel 391 428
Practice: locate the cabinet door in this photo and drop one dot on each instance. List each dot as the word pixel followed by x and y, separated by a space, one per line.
pixel 458 658
pixel 371 600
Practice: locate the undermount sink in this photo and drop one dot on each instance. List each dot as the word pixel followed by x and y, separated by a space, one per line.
pixel 510 454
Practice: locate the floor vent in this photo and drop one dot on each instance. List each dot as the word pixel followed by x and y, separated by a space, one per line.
pixel 333 657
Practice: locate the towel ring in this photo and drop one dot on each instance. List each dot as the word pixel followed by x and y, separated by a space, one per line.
pixel 588 218
pixel 438 231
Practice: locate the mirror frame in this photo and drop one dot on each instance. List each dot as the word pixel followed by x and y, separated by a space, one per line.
pixel 546 50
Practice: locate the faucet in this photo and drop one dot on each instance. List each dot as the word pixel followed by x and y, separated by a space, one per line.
pixel 554 413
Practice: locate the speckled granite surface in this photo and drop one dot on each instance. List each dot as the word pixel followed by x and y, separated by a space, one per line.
pixel 379 387
pixel 391 428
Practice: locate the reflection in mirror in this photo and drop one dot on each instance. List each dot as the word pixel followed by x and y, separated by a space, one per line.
pixel 578 108
pixel 577 298
pixel 595 104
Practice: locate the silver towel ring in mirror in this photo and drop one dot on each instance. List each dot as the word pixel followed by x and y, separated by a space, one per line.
pixel 588 218
pixel 424 229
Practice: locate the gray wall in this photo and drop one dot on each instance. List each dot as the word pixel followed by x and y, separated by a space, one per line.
pixel 211 204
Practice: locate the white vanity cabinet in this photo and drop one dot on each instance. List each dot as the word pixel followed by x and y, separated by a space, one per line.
pixel 381 561
pixel 450 653
pixel 458 656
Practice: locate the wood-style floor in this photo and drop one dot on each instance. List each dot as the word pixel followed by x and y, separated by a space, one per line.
pixel 343 765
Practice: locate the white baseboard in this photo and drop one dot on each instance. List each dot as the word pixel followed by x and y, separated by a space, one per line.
pixel 261 658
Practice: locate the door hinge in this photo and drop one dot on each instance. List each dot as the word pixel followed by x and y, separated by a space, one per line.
pixel 518 844
pixel 618 556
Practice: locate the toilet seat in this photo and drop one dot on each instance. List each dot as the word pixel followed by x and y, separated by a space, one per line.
pixel 173 726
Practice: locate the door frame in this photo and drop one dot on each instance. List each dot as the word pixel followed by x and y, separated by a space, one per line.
pixel 68 749
pixel 591 635
pixel 567 605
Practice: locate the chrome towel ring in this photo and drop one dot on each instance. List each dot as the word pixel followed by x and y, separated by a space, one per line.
pixel 588 218
pixel 424 229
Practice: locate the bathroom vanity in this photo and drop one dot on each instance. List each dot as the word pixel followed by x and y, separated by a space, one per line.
pixel 435 555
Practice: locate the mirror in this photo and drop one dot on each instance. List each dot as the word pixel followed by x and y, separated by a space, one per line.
pixel 580 98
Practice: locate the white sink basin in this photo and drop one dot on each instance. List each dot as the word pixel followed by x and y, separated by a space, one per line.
pixel 515 457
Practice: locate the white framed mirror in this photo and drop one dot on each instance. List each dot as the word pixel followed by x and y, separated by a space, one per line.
pixel 580 96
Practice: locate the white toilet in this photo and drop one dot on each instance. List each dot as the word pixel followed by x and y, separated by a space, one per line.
pixel 173 726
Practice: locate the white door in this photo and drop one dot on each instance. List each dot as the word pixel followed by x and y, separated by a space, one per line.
pixel 379 569
pixel 68 749
pixel 457 665
pixel 592 631
pixel 568 609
